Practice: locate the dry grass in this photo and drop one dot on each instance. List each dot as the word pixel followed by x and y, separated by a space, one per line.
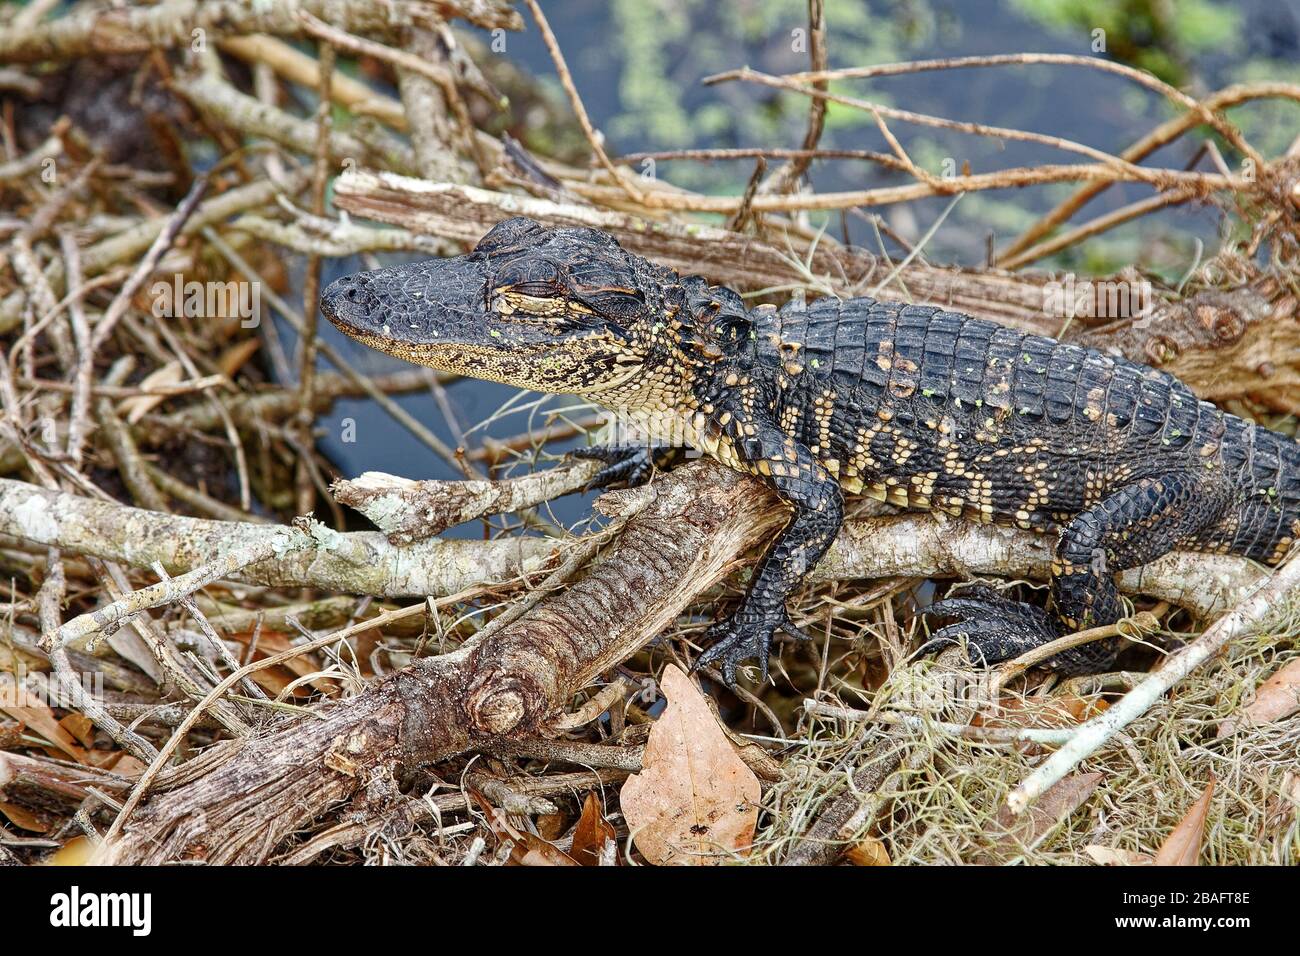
pixel 944 809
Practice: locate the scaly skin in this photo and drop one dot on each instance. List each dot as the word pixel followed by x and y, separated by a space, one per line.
pixel 924 408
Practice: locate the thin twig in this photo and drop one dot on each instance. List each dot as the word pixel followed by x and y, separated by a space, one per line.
pixel 580 111
pixel 121 302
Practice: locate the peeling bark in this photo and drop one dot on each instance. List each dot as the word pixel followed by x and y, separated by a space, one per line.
pixel 361 562
pixel 409 511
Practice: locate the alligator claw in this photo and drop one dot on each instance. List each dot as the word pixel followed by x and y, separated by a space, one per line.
pixel 631 464
pixel 744 637
pixel 995 628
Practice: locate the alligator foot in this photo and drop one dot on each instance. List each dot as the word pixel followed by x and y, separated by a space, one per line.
pixel 632 464
pixel 746 636
pixel 995 628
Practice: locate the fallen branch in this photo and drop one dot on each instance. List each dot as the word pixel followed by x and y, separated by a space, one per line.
pixel 227 105
pixel 244 797
pixel 409 511
pixel 108 30
pixel 924 545
pixel 356 563
pixel 363 562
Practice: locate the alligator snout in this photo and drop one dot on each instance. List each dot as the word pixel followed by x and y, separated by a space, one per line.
pixel 348 301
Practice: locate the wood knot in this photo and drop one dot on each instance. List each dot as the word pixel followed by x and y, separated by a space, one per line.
pixel 344 751
pixel 1160 349
pixel 1228 327
pixel 500 703
pixel 1220 321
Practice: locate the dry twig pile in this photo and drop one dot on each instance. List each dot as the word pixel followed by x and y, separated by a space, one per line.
pixel 266 686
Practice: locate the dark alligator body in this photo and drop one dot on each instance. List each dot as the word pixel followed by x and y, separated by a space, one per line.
pixel 925 408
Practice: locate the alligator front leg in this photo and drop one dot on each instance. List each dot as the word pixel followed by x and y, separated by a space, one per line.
pixel 631 463
pixel 791 470
pixel 1131 527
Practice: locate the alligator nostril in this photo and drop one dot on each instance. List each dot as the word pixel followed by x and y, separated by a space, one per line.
pixel 352 295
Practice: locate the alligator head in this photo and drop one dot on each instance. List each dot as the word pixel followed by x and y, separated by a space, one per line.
pixel 555 310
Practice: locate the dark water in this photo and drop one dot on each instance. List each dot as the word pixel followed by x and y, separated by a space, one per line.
pixel 1080 104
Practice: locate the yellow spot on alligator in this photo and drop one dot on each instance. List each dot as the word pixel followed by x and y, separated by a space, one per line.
pixel 876 490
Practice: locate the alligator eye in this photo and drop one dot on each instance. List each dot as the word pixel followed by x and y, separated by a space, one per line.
pixel 511 302
pixel 534 288
pixel 532 275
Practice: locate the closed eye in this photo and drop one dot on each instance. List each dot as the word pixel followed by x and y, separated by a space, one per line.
pixel 534 288
pixel 554 311
pixel 511 301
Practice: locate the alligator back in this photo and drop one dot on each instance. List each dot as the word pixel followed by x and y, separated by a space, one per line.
pixel 938 410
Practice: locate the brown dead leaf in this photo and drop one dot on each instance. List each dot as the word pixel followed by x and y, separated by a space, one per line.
pixel 122 764
pixel 592 832
pixel 1183 846
pixel 16 661
pixel 1277 697
pixel 1110 856
pixel 695 802
pixel 24 706
pixel 1015 833
pixel 868 852
pixel 1017 712
pixel 76 852
pixel 80 727
pixel 552 826
pixel 526 849
pixel 23 818
pixel 131 410
pixel 534 851
pixel 274 680
pixel 234 358
pixel 1059 710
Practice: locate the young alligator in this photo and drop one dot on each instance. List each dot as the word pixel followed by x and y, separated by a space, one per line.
pixel 915 405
